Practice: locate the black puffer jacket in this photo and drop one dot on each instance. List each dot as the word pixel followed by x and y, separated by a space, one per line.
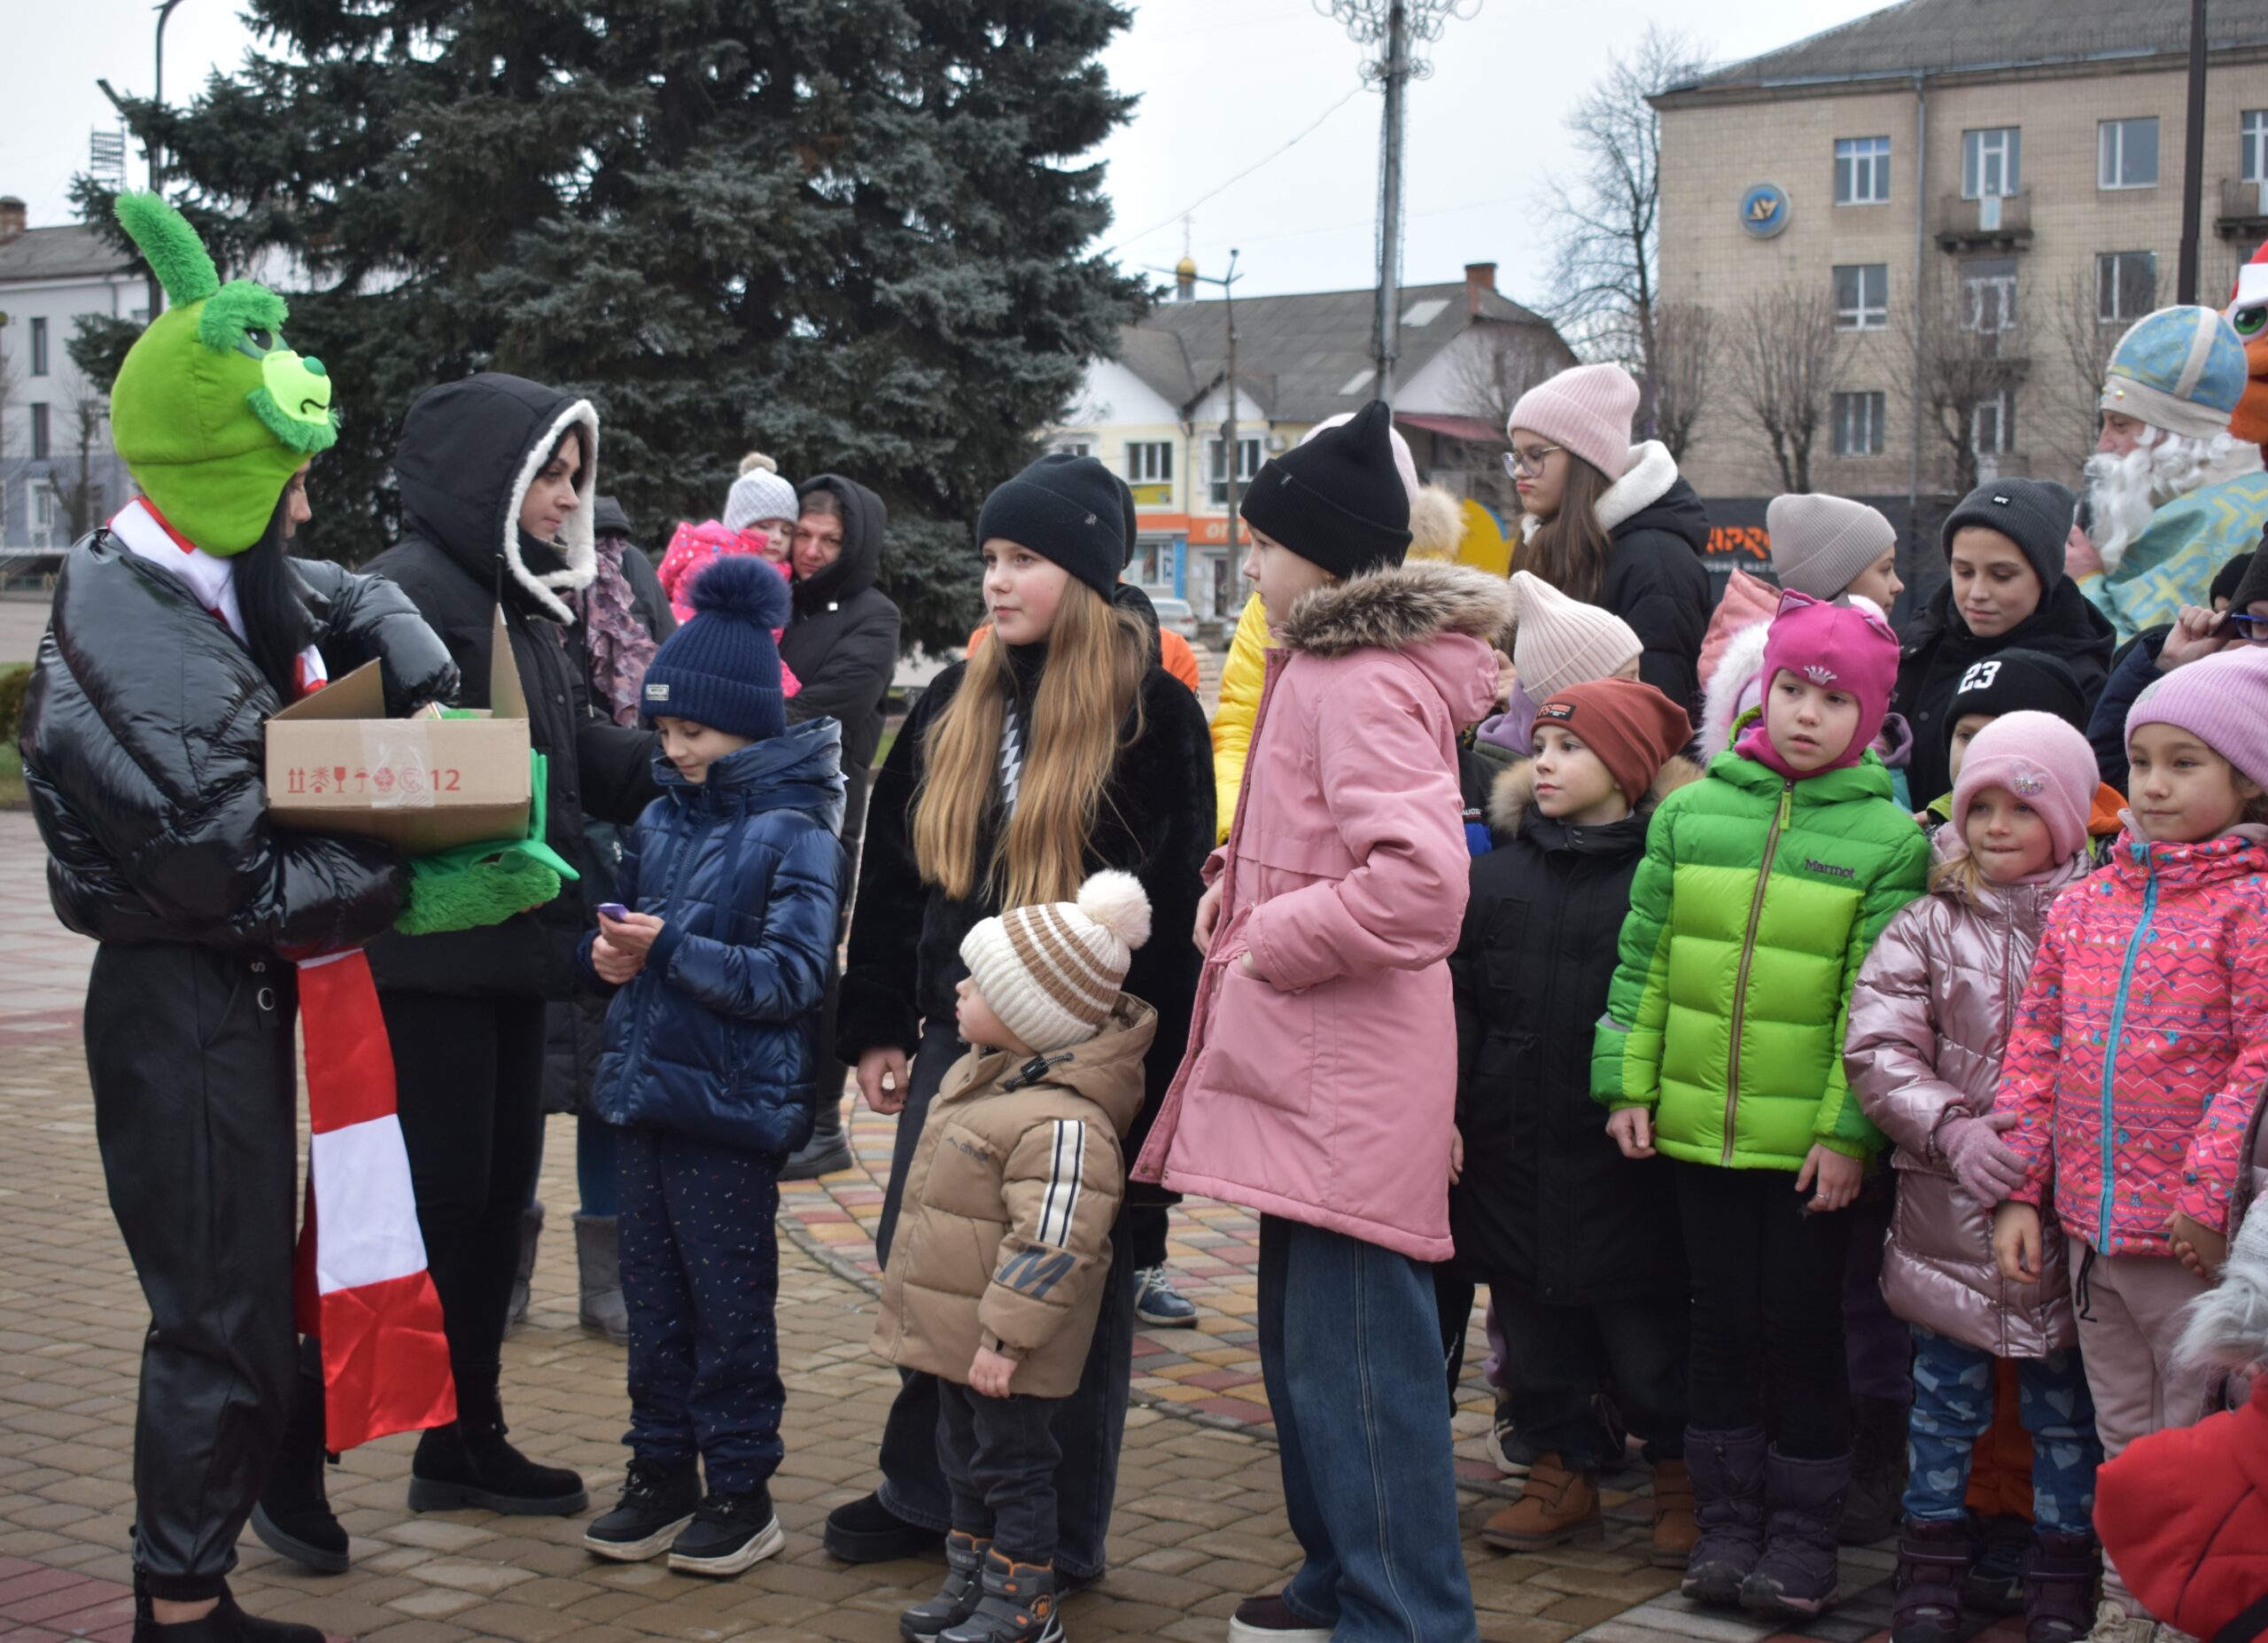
pixel 469 450
pixel 1156 823
pixel 1655 579
pixel 145 749
pixel 1548 1202
pixel 1942 649
pixel 841 643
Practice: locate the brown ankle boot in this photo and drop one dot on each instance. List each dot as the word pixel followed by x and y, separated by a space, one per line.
pixel 1674 1529
pixel 1557 1507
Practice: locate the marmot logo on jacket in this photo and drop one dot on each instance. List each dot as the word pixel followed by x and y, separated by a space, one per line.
pixel 1813 864
pixel 962 1143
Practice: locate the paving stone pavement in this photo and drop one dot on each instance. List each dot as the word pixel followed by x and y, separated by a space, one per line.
pixel 1200 1521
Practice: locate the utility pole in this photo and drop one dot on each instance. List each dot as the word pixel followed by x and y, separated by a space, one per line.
pixel 2192 161
pixel 1185 275
pixel 151 146
pixel 1398 28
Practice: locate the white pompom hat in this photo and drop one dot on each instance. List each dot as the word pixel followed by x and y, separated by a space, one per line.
pixel 1052 972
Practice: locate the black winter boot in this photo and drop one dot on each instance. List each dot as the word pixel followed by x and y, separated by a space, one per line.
pixel 1871 1505
pixel 1796 1576
pixel 957 1598
pixel 2059 1588
pixel 227 1623
pixel 867 1531
pixel 1933 1559
pixel 1018 1605
pixel 293 1517
pixel 1727 1469
pixel 468 1463
pixel 830 1147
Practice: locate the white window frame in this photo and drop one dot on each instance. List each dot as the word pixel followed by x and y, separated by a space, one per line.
pixel 1249 456
pixel 1983 148
pixel 1073 447
pixel 2000 414
pixel 1863 315
pixel 2114 314
pixel 2110 152
pixel 1866 182
pixel 2252 145
pixel 1149 461
pixel 1862 413
pixel 43 500
pixel 1973 287
pixel 39 345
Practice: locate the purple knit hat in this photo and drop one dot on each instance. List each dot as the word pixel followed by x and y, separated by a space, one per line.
pixel 2222 700
pixel 2043 761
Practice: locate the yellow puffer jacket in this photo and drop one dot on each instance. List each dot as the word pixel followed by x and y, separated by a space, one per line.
pixel 1240 679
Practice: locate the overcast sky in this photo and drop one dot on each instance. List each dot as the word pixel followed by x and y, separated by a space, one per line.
pixel 1224 83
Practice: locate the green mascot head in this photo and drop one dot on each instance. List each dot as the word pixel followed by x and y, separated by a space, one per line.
pixel 212 412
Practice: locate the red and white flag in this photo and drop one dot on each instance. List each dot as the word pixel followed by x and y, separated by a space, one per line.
pixel 364 1287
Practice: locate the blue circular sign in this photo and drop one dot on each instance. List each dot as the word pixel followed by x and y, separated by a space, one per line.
pixel 1765 210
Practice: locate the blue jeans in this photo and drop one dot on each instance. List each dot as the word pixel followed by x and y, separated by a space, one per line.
pixel 1349 1347
pixel 1953 1408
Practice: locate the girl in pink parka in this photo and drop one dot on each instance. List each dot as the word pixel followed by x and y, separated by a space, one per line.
pixel 1928 1020
pixel 2139 1051
pixel 1319 1086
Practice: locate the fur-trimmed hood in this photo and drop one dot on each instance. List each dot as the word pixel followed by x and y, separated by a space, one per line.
pixel 1510 795
pixel 1399 608
pixel 1742 658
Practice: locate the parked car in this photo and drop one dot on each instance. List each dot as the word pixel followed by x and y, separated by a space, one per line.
pixel 1175 615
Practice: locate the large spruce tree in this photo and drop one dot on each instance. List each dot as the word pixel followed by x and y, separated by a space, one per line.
pixel 848 232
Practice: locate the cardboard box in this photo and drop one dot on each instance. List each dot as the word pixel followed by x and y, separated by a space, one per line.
pixel 337 764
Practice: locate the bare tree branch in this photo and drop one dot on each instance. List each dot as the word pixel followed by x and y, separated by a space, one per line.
pixel 1782 354
pixel 1686 377
pixel 76 482
pixel 1970 356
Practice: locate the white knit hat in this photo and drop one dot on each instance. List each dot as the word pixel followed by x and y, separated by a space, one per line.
pixel 1563 642
pixel 1587 409
pixel 759 494
pixel 1052 973
pixel 1822 544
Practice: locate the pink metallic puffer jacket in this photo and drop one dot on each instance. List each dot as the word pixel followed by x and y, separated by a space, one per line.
pixel 1928 1020
pixel 2142 1042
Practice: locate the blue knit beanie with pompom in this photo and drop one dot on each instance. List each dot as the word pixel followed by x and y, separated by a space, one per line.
pixel 722 668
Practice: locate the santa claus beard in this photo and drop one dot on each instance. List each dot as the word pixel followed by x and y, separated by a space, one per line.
pixel 2122 494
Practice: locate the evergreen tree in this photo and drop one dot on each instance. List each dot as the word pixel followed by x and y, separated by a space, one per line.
pixel 848 232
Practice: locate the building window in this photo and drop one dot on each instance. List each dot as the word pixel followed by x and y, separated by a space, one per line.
pixel 1862 297
pixel 1990 162
pixel 1988 292
pixel 39 348
pixel 2128 153
pixel 1247 466
pixel 1862 171
pixel 2125 285
pixel 1073 447
pixel 2252 145
pixel 1993 425
pixel 1857 424
pixel 43 509
pixel 1149 461
pixel 39 431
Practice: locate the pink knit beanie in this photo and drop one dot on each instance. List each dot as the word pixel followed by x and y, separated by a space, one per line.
pixel 2043 761
pixel 1563 642
pixel 1844 646
pixel 2222 700
pixel 1588 410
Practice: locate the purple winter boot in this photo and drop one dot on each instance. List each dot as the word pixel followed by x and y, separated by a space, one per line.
pixel 2059 1587
pixel 1727 1470
pixel 1933 1559
pixel 1795 1579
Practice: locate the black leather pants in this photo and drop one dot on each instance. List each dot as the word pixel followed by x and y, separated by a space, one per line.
pixel 191 1055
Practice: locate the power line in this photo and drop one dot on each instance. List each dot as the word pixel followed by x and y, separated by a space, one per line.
pixel 1352 92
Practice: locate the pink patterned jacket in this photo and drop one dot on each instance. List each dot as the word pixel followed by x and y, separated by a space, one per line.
pixel 2141 1044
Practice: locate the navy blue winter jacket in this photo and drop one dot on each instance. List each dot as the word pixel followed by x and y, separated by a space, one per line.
pixel 717 1037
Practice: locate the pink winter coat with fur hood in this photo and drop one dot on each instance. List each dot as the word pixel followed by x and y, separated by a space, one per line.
pixel 1930 1019
pixel 1323 1089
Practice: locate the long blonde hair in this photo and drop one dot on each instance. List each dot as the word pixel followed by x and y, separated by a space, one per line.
pixel 1076 722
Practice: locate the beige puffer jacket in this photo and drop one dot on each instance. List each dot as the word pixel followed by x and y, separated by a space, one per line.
pixel 1929 1021
pixel 1005 1232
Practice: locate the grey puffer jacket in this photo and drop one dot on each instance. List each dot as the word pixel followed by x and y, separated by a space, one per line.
pixel 1929 1021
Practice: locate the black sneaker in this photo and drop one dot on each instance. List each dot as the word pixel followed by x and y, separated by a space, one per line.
pixel 1157 1302
pixel 728 1533
pixel 658 1500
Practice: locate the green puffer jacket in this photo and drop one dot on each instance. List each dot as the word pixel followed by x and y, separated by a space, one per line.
pixel 1754 907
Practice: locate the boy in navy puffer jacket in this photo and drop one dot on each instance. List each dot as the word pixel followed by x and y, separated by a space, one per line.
pixel 720 961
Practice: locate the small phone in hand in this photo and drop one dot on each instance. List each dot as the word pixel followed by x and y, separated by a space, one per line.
pixel 614 910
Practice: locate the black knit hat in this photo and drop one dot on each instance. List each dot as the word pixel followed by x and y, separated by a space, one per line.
pixel 2253 585
pixel 2232 576
pixel 2034 514
pixel 1071 509
pixel 2018 681
pixel 1338 501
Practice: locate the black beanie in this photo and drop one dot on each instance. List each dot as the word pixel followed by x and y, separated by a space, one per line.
pixel 2034 514
pixel 2016 681
pixel 2253 585
pixel 1338 501
pixel 1070 509
pixel 2232 576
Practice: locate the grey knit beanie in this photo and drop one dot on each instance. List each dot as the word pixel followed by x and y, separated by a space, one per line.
pixel 758 493
pixel 1822 544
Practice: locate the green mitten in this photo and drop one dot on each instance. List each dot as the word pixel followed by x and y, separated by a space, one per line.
pixel 475 885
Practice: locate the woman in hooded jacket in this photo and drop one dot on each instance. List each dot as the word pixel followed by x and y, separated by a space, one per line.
pixel 497 477
pixel 1612 523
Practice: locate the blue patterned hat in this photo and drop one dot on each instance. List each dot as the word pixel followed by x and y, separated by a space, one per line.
pixel 2182 370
